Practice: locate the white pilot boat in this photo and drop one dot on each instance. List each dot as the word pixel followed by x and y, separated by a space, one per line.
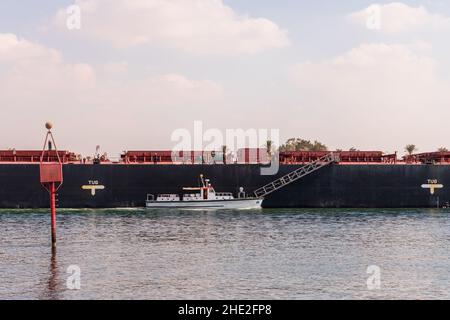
pixel 203 197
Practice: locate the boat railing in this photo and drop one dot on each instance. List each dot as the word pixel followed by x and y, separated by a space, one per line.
pixel 168 197
pixel 150 197
pixel 192 196
pixel 224 194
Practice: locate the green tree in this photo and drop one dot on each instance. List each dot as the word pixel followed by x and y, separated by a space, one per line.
pixel 442 149
pixel 317 146
pixel 297 144
pixel 410 148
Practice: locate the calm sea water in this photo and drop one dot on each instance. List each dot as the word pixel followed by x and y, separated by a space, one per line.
pixel 269 254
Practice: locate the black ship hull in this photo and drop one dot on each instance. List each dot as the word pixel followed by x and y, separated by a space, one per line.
pixel 334 186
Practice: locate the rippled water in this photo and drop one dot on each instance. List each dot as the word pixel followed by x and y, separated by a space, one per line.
pixel 269 254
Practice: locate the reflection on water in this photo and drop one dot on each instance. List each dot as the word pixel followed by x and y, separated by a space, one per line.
pixel 53 281
pixel 279 254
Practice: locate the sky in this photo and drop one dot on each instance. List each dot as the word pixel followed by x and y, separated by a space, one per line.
pixel 374 76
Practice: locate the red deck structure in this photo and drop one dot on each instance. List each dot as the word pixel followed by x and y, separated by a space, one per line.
pixel 34 156
pixel 429 158
pixel 295 157
pixel 243 156
pixel 252 155
pixel 173 157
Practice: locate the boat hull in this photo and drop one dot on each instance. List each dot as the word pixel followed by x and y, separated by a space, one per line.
pixel 239 204
pixel 334 186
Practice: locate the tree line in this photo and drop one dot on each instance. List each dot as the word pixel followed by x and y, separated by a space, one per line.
pixel 299 144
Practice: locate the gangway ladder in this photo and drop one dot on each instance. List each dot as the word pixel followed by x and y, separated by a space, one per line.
pixel 296 174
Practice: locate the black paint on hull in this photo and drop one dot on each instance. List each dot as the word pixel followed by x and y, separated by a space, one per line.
pixel 334 186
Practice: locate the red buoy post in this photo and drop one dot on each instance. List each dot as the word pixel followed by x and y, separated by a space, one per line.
pixel 51 175
pixel 53 211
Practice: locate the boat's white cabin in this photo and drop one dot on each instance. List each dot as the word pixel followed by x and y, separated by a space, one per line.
pixel 168 197
pixel 206 193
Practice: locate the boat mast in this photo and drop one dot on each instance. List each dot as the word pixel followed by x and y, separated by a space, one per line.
pixel 202 181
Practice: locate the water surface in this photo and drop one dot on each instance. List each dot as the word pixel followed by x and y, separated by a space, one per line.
pixel 268 254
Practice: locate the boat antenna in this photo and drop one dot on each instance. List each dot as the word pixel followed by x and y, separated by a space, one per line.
pixel 202 181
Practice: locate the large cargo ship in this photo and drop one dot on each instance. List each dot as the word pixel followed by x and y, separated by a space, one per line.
pixel 354 179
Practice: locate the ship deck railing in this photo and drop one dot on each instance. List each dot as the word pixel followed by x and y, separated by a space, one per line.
pixel 398 162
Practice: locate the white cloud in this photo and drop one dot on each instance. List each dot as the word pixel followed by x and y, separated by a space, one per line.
pixel 36 67
pixel 375 96
pixel 91 104
pixel 14 50
pixel 397 17
pixel 195 26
